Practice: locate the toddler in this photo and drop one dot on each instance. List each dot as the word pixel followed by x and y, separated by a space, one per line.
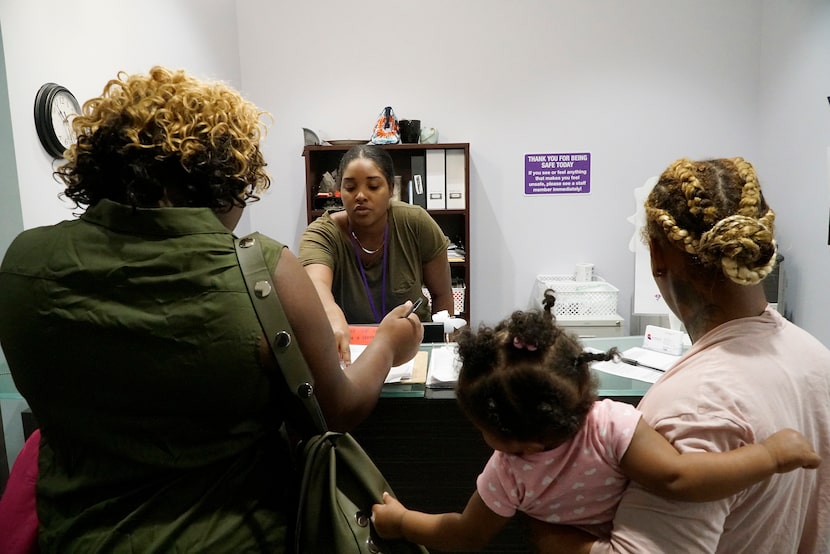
pixel 561 455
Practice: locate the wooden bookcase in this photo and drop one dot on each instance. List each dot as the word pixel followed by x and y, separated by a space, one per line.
pixel 454 222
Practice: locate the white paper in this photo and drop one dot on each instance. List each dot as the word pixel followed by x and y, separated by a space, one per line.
pixel 629 371
pixel 444 366
pixel 828 182
pixel 644 356
pixel 647 297
pixel 650 358
pixel 396 374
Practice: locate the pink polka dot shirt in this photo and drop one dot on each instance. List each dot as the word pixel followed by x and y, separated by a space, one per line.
pixel 576 483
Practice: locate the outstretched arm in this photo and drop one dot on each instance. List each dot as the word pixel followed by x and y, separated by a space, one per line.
pixel 346 397
pixel 470 531
pixel 322 276
pixel 704 476
pixel 692 476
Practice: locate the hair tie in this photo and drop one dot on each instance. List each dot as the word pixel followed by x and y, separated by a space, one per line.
pixel 519 343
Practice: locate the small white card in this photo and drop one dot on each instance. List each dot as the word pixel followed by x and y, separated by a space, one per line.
pixel 660 339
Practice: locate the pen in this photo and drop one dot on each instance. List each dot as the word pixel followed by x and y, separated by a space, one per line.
pixel 415 306
pixel 630 361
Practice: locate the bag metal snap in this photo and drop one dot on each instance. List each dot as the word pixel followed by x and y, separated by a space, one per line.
pixel 282 340
pixel 362 519
pixel 372 547
pixel 305 390
pixel 247 242
pixel 262 289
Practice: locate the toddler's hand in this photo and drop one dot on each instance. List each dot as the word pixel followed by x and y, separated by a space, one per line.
pixel 388 517
pixel 791 450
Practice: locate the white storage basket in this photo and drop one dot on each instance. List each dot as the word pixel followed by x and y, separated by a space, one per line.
pixel 458 294
pixel 576 298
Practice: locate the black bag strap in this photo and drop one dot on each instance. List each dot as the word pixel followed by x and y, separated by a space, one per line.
pixel 275 325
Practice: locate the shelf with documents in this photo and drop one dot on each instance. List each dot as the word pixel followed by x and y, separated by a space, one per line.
pixel 435 176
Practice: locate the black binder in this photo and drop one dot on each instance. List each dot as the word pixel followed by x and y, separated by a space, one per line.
pixel 419 180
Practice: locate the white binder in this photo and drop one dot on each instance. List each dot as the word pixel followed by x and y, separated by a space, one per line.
pixel 436 180
pixel 456 174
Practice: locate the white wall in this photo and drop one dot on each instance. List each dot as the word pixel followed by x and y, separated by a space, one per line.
pixel 636 83
pixel 81 45
pixel 795 150
pixel 84 43
pixel 11 222
pixel 11 219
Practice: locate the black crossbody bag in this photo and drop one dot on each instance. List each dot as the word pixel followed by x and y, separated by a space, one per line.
pixel 338 482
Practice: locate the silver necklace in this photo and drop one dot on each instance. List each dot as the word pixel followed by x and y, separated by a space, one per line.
pixel 366 250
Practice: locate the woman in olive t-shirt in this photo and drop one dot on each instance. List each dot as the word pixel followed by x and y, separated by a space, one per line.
pixel 377 252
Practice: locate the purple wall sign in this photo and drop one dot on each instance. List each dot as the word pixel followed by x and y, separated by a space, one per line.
pixel 558 173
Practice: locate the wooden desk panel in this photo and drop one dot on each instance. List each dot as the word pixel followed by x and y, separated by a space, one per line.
pixel 431 456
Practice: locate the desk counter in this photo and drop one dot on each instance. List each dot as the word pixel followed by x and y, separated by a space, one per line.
pixel 610 386
pixel 7 388
pixel 431 454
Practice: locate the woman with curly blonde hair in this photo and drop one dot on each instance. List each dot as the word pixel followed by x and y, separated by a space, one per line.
pixel 131 335
pixel 166 139
pixel 749 372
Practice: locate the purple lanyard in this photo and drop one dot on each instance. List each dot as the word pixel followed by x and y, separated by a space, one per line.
pixel 378 317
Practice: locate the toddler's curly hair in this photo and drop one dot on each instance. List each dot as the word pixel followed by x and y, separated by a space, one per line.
pixel 164 139
pixel 526 378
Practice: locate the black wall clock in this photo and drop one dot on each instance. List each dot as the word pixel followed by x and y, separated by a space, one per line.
pixel 55 107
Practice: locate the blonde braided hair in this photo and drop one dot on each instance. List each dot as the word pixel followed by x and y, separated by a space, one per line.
pixel 714 210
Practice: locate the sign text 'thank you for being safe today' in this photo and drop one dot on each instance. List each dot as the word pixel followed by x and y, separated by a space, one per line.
pixel 558 173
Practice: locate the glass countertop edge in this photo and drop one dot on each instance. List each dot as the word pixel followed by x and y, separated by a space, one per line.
pixel 631 388
pixel 418 390
pixel 403 390
pixel 7 388
pixel 621 393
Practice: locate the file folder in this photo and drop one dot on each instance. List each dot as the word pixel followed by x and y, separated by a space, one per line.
pixel 419 178
pixel 456 174
pixel 436 179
